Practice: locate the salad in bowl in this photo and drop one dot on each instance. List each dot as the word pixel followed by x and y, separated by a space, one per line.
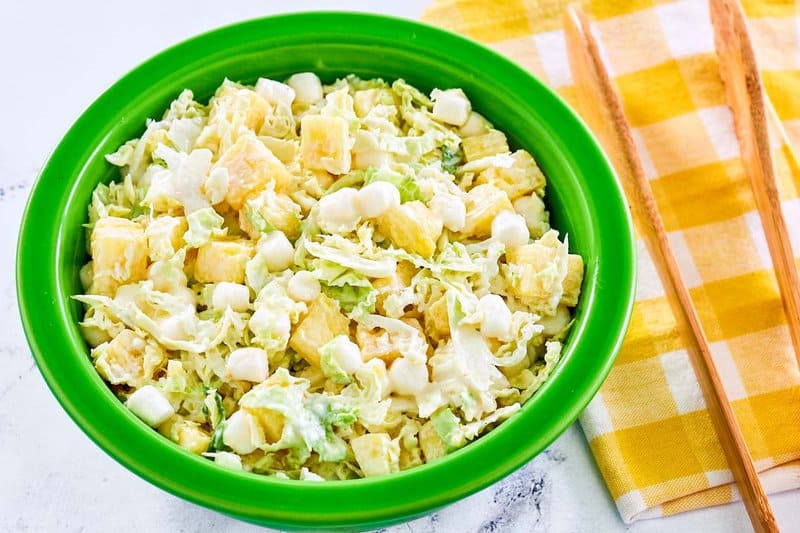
pixel 324 282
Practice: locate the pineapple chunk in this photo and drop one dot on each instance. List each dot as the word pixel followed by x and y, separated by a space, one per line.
pixel 483 203
pixel 572 282
pixel 376 343
pixel 251 166
pixel 271 422
pixel 86 273
pixel 222 261
pixel 530 260
pixel 284 149
pixel 485 145
pixel 394 283
pixel 521 178
pixel 405 271
pixel 189 262
pixel 433 447
pixel 165 236
pixel 325 143
pixel 276 209
pixel 437 322
pixel 235 111
pixel 232 103
pixel 186 433
pixel 322 323
pixel 410 457
pixel 411 226
pixel 121 360
pixel 376 454
pixel 385 288
pixel 534 254
pixel 119 254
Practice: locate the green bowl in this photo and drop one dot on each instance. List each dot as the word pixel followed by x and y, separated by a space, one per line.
pixel 583 195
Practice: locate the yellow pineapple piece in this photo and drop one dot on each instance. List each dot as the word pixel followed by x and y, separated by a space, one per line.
pixel 121 360
pixel 165 236
pixel 277 210
pixel 521 178
pixel 483 203
pixel 220 260
pixel 235 102
pixel 437 323
pixel 385 288
pixel 235 111
pixel 376 454
pixel 189 262
pixel 573 280
pixel 530 260
pixel 433 447
pixel 271 422
pixel 485 145
pixel 410 457
pixel 251 166
pixel 323 179
pixel 411 226
pixel 325 144
pixel 286 150
pixel 186 433
pixel 405 271
pixel 376 343
pixel 534 254
pixel 322 323
pixel 119 254
pixel 394 283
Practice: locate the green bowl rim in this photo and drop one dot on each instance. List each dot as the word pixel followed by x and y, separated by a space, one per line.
pixel 337 504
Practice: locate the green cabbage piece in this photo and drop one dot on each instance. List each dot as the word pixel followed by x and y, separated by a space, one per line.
pixel 354 178
pixel 216 415
pixel 330 367
pixel 124 154
pixel 203 224
pixel 116 200
pixel 410 95
pixel 448 426
pixel 352 290
pixel 342 252
pixel 543 369
pixel 407 185
pixel 451 157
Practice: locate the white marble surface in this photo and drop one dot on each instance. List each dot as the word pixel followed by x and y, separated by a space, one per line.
pixel 55 58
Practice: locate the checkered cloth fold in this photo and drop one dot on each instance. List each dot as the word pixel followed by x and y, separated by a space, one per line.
pixel 648 428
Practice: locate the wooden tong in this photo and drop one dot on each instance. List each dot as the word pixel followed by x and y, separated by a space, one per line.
pixel 746 98
pixel 601 108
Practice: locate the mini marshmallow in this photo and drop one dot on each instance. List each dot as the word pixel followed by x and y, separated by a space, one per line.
pixel 150 404
pixel 248 364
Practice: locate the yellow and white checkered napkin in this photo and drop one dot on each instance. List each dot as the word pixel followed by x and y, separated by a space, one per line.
pixel 648 427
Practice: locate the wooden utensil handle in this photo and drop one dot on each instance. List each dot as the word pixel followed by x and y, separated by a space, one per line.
pixel 746 97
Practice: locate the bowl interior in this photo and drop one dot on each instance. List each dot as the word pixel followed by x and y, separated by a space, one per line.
pixel 582 194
